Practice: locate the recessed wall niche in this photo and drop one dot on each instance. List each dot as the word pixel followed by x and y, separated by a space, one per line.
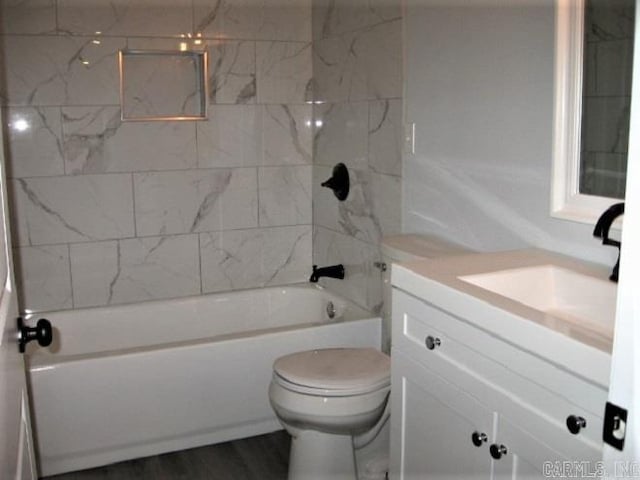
pixel 163 85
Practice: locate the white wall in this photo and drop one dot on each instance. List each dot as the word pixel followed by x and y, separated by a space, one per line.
pixel 479 87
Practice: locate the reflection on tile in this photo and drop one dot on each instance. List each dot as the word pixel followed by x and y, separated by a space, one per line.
pixel 385 136
pixel 72 209
pixel 134 270
pixel 325 205
pixel 283 72
pixel 61 70
pixel 195 201
pixel 232 72
pixel 334 17
pixel 231 19
pixel 44 277
pixel 254 19
pixel 386 195
pixel 28 16
pixel 338 74
pixel 603 174
pixel 363 282
pixel 124 17
pixel 380 48
pixel 285 195
pixel 287 138
pixel 384 11
pixel 255 258
pixel 34 142
pixel 372 209
pixel 606 126
pixel 608 68
pixel 341 134
pixel 95 141
pixel 607 20
pixel 366 64
pixel 286 20
pixel 231 138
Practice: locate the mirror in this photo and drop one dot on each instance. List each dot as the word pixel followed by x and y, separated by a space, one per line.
pixel 163 85
pixel 594 56
pixel 606 96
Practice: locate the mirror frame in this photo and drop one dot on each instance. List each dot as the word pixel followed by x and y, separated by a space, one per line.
pixel 566 200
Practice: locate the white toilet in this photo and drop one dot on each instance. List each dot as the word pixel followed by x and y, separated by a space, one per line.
pixel 328 400
pixel 334 401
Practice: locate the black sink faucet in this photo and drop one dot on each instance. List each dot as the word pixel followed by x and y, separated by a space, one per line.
pixel 602 231
pixel 334 271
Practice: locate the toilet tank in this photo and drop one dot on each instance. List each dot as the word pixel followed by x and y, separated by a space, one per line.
pixel 406 248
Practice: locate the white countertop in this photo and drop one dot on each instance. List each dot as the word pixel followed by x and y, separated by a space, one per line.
pixel 571 346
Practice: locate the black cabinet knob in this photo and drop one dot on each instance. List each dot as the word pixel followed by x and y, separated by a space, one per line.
pixel 575 423
pixel 432 342
pixel 478 438
pixel 497 451
pixel 42 332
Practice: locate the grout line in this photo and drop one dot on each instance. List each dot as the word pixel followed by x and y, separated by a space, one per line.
pixel 133 206
pixel 73 299
pixel 200 264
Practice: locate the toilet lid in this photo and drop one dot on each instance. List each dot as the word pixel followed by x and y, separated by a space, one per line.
pixel 341 370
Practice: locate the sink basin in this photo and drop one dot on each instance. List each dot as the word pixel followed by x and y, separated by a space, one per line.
pixel 557 291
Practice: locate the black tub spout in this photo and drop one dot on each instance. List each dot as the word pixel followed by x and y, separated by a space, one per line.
pixel 334 271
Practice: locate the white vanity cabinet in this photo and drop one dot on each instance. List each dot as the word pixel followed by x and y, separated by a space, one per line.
pixel 467 404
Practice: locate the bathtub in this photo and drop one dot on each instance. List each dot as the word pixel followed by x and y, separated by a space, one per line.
pixel 130 381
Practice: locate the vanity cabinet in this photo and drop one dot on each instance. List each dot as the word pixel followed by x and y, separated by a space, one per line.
pixel 466 404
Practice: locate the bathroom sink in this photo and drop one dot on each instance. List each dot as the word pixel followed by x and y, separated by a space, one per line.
pixel 556 291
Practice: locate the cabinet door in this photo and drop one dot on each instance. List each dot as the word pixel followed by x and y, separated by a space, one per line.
pixel 527 458
pixel 432 424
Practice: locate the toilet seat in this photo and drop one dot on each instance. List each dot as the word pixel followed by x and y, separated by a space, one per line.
pixel 333 371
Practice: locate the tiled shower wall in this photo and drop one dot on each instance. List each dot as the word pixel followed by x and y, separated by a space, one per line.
pixel 108 212
pixel 357 70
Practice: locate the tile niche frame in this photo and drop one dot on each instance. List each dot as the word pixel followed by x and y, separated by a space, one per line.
pixel 201 84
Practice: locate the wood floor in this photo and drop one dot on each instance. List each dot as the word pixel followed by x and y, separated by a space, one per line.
pixel 258 458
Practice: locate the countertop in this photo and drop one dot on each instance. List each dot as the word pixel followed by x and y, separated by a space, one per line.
pixel 581 350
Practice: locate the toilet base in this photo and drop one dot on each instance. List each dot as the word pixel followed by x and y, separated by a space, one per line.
pixel 321 456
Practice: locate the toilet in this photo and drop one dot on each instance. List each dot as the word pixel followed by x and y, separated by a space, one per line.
pixel 326 399
pixel 335 402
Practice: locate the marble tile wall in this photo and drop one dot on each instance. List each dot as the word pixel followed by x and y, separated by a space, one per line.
pixel 357 70
pixel 609 31
pixel 108 212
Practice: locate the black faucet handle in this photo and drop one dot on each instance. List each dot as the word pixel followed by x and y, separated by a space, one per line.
pixel 339 182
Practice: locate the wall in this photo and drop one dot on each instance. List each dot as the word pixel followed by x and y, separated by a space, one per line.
pixel 479 87
pixel 106 212
pixel 357 69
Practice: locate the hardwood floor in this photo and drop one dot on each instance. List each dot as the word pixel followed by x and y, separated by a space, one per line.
pixel 257 458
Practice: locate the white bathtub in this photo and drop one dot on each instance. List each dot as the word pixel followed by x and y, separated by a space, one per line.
pixel 135 380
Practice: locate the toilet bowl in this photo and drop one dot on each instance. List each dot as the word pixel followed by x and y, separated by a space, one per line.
pixel 329 400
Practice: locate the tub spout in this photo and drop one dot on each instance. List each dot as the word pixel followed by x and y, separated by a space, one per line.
pixel 334 271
